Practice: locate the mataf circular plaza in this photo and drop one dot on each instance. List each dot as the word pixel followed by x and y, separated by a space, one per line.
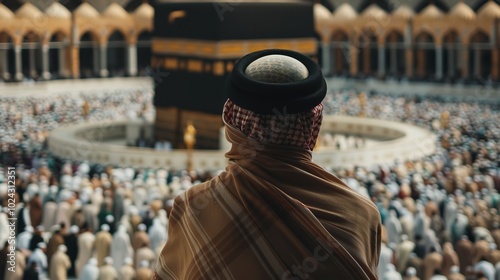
pixel 111 109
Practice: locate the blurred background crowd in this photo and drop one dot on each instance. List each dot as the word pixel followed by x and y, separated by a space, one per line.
pixel 87 221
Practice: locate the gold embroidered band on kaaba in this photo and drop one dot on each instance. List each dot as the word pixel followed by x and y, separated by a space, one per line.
pixel 228 49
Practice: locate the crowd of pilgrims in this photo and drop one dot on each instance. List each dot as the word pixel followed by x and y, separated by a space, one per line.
pixel 87 221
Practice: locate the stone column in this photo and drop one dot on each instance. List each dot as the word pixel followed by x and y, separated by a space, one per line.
pixel 132 60
pixel 477 62
pixel 75 60
pixel 439 62
pixel 494 51
pixel 104 61
pixel 4 64
pixel 45 62
pixel 465 61
pixel 74 53
pixel 408 40
pixel 495 64
pixel 381 60
pixel 19 71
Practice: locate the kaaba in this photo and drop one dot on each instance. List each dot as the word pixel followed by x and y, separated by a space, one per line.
pixel 194 48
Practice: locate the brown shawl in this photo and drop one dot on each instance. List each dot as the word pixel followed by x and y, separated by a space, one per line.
pixel 273 214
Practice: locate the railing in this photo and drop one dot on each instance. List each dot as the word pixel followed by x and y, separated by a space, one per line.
pixel 399 141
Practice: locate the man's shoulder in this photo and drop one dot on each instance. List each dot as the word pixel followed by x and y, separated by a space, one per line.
pixel 364 207
pixel 197 190
pixel 197 196
pixel 204 187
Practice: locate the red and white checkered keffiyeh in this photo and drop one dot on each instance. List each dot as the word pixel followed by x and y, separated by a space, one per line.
pixel 299 130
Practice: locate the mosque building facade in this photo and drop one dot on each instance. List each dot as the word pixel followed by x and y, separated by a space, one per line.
pixel 57 43
pixel 417 40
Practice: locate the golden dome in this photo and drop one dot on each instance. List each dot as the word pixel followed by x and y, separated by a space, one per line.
pixel 462 11
pixel 403 12
pixel 431 12
pixel 27 10
pixel 85 10
pixel 490 10
pixel 144 11
pixel 374 12
pixel 5 13
pixel 115 11
pixel 56 10
pixel 345 12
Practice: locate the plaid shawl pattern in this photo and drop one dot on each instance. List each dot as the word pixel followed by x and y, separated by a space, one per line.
pixel 273 214
pixel 299 129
